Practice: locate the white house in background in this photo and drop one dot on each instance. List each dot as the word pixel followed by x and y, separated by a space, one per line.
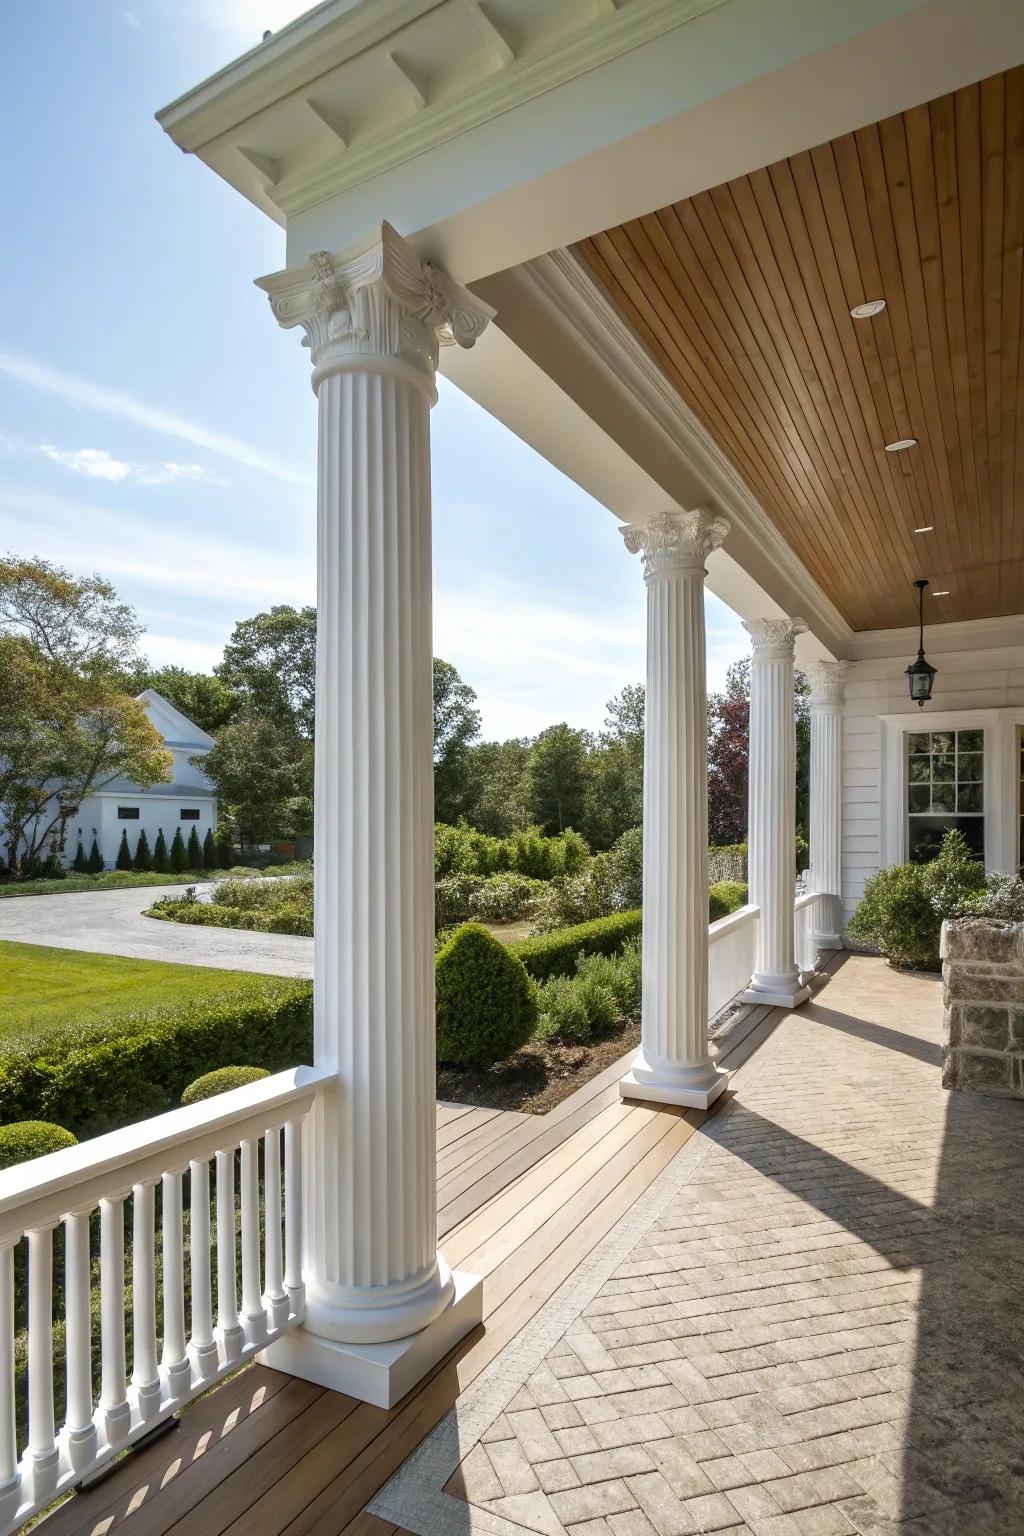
pixel 187 801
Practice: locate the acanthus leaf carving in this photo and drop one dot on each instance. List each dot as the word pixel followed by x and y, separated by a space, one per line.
pixel 773 634
pixel 675 540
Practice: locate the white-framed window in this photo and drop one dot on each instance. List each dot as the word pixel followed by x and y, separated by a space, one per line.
pixel 945 788
pixel 962 768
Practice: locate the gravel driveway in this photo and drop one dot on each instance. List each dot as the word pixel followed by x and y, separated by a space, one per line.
pixel 111 923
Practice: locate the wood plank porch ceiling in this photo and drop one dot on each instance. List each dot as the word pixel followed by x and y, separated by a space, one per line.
pixel 743 293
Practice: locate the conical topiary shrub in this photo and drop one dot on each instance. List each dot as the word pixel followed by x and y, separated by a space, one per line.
pixel 225 848
pixel 94 863
pixel 124 854
pixel 143 857
pixel 486 1002
pixel 81 864
pixel 161 863
pixel 194 851
pixel 209 850
pixel 179 854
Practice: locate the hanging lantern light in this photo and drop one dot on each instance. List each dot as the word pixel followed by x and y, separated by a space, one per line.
pixel 921 674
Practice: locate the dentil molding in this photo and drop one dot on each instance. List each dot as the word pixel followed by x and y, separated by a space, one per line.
pixel 778 635
pixel 675 540
pixel 377 300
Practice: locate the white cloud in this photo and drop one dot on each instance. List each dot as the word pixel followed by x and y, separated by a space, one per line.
pixel 97 397
pixel 98 464
pixel 95 462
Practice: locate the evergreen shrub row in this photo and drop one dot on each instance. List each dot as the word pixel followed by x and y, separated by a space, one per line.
pixel 96 1080
pixel 211 853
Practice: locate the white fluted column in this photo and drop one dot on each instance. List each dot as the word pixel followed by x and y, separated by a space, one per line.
pixel 826 807
pixel 374 317
pixel 674 1065
pixel 771 819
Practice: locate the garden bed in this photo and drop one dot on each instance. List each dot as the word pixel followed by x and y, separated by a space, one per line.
pixel 126 879
pixel 539 1075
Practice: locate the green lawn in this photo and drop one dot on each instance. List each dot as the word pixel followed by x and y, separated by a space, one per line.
pixel 42 989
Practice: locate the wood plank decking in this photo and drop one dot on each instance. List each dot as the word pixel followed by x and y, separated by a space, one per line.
pixel 522 1201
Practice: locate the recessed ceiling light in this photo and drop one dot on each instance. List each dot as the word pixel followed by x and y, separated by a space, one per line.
pixel 928 528
pixel 943 593
pixel 900 444
pixel 867 309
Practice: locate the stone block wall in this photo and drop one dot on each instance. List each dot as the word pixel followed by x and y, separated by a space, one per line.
pixel 983 1006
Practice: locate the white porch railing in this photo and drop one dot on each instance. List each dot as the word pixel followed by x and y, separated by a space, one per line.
pixel 49 1208
pixel 803 936
pixel 732 951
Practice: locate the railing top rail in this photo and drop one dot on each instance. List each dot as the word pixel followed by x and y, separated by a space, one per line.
pixel 807 899
pixel 48 1187
pixel 724 925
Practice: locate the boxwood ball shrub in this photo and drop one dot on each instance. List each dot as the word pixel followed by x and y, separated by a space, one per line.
pixel 221 1081
pixel 901 911
pixel 486 1003
pixel 26 1139
pixel 725 897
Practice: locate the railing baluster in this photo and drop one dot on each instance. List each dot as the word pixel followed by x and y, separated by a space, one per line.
pixel 202 1346
pixel 232 1338
pixel 10 1477
pixel 115 1409
pixel 42 1454
pixel 254 1317
pixel 293 1285
pixel 276 1299
pixel 79 1428
pixel 176 1366
pixel 146 1372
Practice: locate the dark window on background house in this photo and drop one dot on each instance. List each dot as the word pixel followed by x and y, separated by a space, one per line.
pixel 945 788
pixel 127 813
pixel 190 815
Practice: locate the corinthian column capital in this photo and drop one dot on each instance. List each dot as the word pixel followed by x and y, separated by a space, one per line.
pixel 675 540
pixel 827 679
pixel 376 303
pixel 773 636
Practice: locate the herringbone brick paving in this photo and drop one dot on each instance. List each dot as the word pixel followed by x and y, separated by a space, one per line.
pixel 822 1334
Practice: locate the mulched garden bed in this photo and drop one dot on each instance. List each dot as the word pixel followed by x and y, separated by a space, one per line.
pixel 538 1076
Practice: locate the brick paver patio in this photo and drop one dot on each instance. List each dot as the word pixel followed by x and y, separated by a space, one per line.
pixel 822 1334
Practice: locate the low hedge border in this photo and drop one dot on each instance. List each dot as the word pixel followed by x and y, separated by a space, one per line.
pixel 556 953
pixel 97 1080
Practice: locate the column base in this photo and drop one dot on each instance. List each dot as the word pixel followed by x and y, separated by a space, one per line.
pixel 775 992
pixel 827 941
pixel 380 1374
pixel 703 1088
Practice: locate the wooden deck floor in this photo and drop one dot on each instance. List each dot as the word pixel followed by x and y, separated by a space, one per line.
pixel 522 1200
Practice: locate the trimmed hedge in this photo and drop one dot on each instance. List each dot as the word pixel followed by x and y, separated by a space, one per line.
pixel 98 1080
pixel 486 1003
pixel 221 1081
pixel 725 897
pixel 26 1139
pixel 557 953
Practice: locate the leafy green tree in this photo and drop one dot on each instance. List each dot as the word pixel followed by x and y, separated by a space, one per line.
pixel 260 777
pixel 124 854
pixel 161 858
pixel 143 856
pixel 558 777
pixel 209 850
pixel 94 862
pixel 67 727
pixel 270 664
pixel 728 755
pixel 456 726
pixel 179 854
pixel 194 850
pixel 204 699
pixel 498 789
pixel 81 864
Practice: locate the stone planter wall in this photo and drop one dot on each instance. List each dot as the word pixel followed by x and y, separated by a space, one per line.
pixel 983 1006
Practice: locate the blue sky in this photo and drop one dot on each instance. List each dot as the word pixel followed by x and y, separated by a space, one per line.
pixel 157 427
